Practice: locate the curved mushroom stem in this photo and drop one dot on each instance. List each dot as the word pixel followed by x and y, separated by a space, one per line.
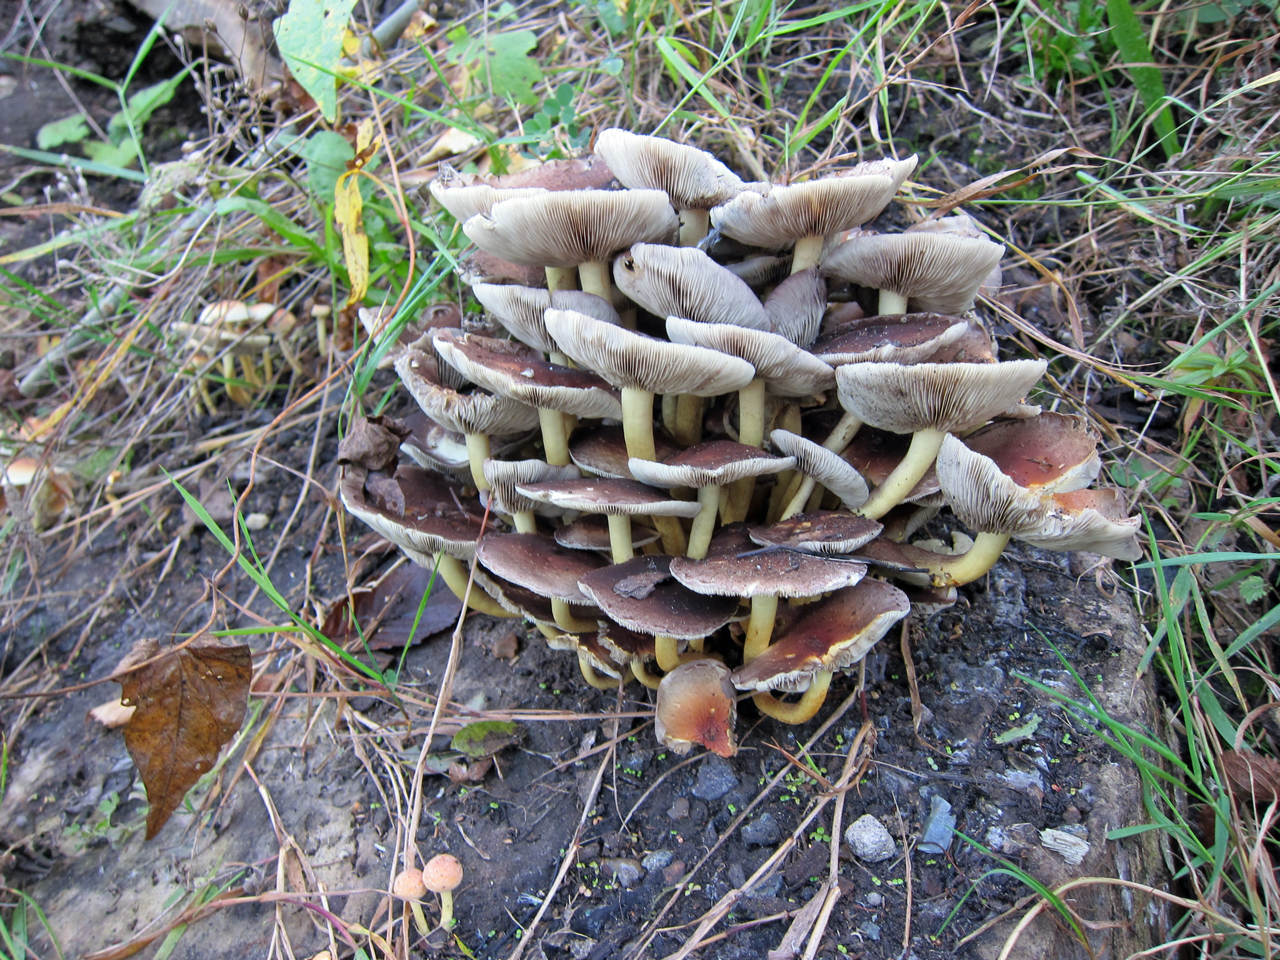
pixel 891 303
pixel 808 252
pixel 972 564
pixel 525 522
pixel 694 225
pixel 601 681
pixel 815 498
pixel 688 429
pixel 667 654
pixel 594 277
pixel 562 278
pixel 640 670
pixel 446 909
pixel 800 711
pixel 759 627
pixel 566 621
pixel 455 577
pixel 751 413
pixel 419 918
pixel 620 537
pixel 637 428
pixel 924 448
pixel 555 441
pixel 704 523
pixel 477 454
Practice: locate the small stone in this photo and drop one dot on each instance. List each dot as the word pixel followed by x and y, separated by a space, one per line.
pixel 761 831
pixel 715 779
pixel 873 899
pixel 736 875
pixel 679 810
pixel 623 870
pixel 939 826
pixel 257 521
pixel 870 930
pixel 657 860
pixel 674 872
pixel 870 841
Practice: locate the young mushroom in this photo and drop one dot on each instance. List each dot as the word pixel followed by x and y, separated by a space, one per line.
pixel 408 886
pixel 442 874
pixel 697 704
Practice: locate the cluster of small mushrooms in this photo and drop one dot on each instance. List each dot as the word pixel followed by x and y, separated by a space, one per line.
pixel 687 414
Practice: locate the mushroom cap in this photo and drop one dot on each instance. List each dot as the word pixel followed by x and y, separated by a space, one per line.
pixel 521 309
pixel 944 396
pixel 822 532
pixel 736 567
pixel 628 359
pixel 465 195
pixel 480 267
pixel 789 370
pixel 591 532
pixel 511 370
pixel 442 872
pixel 825 467
pixel 714 463
pixel 1092 520
pixel 1051 453
pixel 685 282
pixel 408 885
pixel 796 306
pixel 906 562
pixel 905 338
pixel 817 207
pixel 505 475
pixel 697 705
pixel 642 596
pixel 538 563
pixel 607 496
pixel 875 453
pixel 692 178
pixel 435 447
pixel 936 272
pixel 602 449
pixel 832 634
pixel 431 522
pixel 467 200
pixel 573 226
pixel 461 412
pixel 626 645
pixel 761 271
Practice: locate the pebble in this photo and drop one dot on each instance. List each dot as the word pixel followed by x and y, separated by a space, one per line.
pixel 679 809
pixel 870 841
pixel 939 825
pixel 870 930
pixel 623 870
pixel 257 521
pixel 715 779
pixel 761 831
pixel 674 872
pixel 873 899
pixel 657 860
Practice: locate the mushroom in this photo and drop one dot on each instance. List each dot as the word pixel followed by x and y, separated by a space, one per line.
pixel 819 465
pixel 538 563
pixel 685 282
pixel 505 475
pixel 442 874
pixel 521 310
pixel 697 704
pixel 408 886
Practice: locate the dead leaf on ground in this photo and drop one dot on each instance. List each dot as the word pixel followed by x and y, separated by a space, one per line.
pixel 462 773
pixel 112 714
pixel 1252 775
pixel 386 610
pixel 188 706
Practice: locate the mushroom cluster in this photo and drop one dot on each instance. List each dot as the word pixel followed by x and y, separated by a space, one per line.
pixel 679 415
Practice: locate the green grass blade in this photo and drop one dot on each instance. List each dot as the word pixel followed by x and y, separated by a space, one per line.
pixel 1132 44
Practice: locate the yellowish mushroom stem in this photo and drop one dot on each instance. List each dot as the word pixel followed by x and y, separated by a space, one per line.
pixel 525 522
pixel 800 711
pixel 924 448
pixel 973 563
pixel 667 654
pixel 620 537
pixel 594 277
pixel 694 225
pixel 446 909
pixel 419 918
pixel 759 627
pixel 601 681
pixel 808 252
pixel 562 278
pixel 688 429
pixel 477 454
pixel 704 524
pixel 640 670
pixel 751 413
pixel 670 407
pixel 566 621
pixel 637 428
pixel 455 577
pixel 891 303
pixel 555 441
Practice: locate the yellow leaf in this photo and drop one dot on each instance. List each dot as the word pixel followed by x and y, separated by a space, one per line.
pixel 347 209
pixel 364 135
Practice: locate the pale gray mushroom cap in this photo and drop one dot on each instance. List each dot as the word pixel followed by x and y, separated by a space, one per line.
pixel 944 396
pixel 1092 520
pixel 464 201
pixel 692 178
pixel 431 523
pixel 789 371
pixel 608 496
pixel 826 467
pixel 461 412
pixel 936 272
pixel 685 282
pixel 508 369
pixel 505 475
pixel 761 271
pixel 628 359
pixel 961 225
pixel 817 207
pixel 697 705
pixel 796 306
pixel 715 463
pixel 571 227
pixel 521 309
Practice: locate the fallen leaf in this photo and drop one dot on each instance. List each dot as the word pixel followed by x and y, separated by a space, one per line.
pixel 310 40
pixel 639 585
pixel 486 737
pixel 373 443
pixel 1252 775
pixel 188 706
pixel 112 714
pixel 386 610
pixel 463 773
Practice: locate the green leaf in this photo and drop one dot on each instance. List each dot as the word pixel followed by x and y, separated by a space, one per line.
pixel 1253 589
pixel 486 737
pixel 326 154
pixel 1132 44
pixel 70 129
pixel 502 59
pixel 111 154
pixel 141 106
pixel 1024 732
pixel 310 40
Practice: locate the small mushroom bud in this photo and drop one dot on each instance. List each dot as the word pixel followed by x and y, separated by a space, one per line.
pixel 408 885
pixel 442 874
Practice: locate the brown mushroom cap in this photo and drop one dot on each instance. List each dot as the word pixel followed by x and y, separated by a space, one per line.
pixel 521 309
pixel 875 453
pixel 715 463
pixel 1051 453
pixel 685 282
pixel 442 872
pixel 408 885
pixel 697 705
pixel 817 207
pixel 606 496
pixel 832 634
pixel 573 226
pixel 642 596
pixel 788 370
pixel 591 532
pixel 431 521
pixel 941 396
pixel 461 412
pixel 905 338
pixel 822 532
pixel 602 449
pixel 628 359
pixel 538 563
pixel 692 178
pixel 736 567
pixel 626 645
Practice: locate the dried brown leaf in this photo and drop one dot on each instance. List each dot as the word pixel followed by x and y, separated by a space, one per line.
pixel 1252 775
pixel 373 443
pixel 189 705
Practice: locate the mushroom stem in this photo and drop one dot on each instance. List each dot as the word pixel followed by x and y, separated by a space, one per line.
pixel 670 408
pixel 972 564
pixel 891 302
pixel 594 277
pixel 565 619
pixel 555 441
pixel 803 709
pixel 751 413
pixel 704 523
pixel 525 522
pixel 688 429
pixel 594 677
pixel 477 454
pixel 446 909
pixel 920 456
pixel 637 428
pixel 455 576
pixel 759 627
pixel 620 537
pixel 419 918
pixel 562 278
pixel 640 670
pixel 667 654
pixel 694 225
pixel 808 252
pixel 815 498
